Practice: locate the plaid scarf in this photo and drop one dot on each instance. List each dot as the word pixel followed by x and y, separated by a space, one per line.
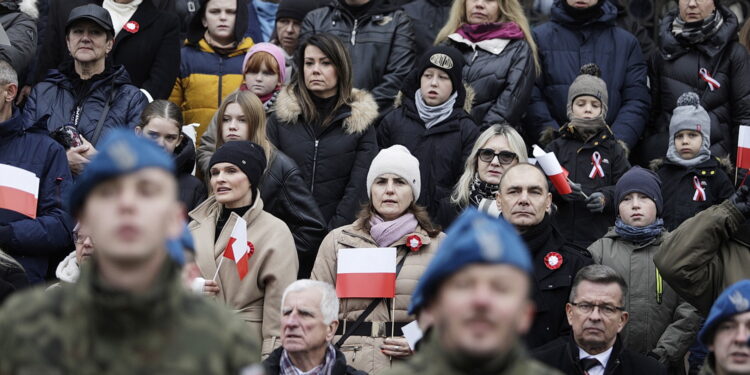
pixel 288 368
pixel 699 31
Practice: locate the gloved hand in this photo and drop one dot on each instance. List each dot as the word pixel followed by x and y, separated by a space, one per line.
pixel 576 195
pixel 741 200
pixel 596 202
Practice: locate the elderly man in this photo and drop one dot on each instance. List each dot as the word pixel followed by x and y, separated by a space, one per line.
pixel 475 294
pixel 128 313
pixel 597 315
pixel 524 200
pixel 309 311
pixel 727 332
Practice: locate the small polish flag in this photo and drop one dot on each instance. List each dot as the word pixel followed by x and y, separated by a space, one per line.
pixel 553 170
pixel 19 190
pixel 239 249
pixel 743 148
pixel 366 273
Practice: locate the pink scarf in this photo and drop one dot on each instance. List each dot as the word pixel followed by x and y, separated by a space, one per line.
pixel 497 30
pixel 385 233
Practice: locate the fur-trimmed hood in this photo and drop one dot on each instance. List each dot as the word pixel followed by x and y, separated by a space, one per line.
pixel 27 7
pixel 364 110
pixel 549 134
pixel 724 163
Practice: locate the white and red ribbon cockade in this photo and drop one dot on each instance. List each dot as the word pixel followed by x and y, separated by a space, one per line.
pixel 713 84
pixel 553 260
pixel 700 191
pixel 132 27
pixel 596 159
pixel 413 242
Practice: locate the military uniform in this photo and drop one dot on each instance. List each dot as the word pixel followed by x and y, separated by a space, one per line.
pixel 434 360
pixel 87 328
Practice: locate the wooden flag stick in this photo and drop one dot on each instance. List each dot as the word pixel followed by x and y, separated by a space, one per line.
pixel 218 268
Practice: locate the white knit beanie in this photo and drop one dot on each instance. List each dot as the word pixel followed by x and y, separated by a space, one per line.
pixel 397 160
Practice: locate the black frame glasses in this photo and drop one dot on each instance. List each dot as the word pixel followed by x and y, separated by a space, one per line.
pixel 504 157
pixel 604 309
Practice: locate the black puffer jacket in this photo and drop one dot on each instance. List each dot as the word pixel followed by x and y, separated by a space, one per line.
pixel 551 286
pixel 192 190
pixel 678 190
pixel 286 196
pixel 441 150
pixel 677 69
pixel 427 18
pixel 381 44
pixel 575 221
pixel 502 78
pixel 334 164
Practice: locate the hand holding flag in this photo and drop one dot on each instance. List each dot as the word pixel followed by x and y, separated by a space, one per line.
pixel 553 170
pixel 238 249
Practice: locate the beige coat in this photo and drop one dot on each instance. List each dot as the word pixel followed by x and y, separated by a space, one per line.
pixel 257 298
pixel 363 353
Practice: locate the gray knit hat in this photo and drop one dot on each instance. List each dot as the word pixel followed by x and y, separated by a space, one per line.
pixel 689 115
pixel 397 160
pixel 588 82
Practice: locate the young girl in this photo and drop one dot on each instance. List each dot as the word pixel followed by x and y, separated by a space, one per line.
pixel 692 179
pixel 162 122
pixel 587 149
pixel 264 73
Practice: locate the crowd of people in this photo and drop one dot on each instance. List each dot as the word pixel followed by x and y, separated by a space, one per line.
pixel 211 186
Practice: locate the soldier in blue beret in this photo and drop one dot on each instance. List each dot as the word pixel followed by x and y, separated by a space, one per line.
pixel 726 332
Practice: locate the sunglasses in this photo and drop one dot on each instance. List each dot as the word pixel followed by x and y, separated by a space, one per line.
pixel 504 157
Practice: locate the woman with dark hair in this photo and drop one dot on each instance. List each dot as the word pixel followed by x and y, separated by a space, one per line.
pixel 325 125
pixel 162 122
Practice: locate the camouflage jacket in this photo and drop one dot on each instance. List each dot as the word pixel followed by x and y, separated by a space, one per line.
pixel 434 360
pixel 87 328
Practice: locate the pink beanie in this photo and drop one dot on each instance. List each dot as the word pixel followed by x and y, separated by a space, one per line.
pixel 274 51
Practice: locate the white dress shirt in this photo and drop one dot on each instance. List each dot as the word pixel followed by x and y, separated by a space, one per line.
pixel 602 357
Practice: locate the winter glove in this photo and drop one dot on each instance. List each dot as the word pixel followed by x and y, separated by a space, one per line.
pixel 741 200
pixel 596 202
pixel 576 195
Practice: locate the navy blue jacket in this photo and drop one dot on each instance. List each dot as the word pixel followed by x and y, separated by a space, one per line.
pixel 564 46
pixel 56 97
pixel 33 241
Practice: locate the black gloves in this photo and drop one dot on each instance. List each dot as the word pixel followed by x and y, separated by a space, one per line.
pixel 741 200
pixel 596 202
pixel 576 195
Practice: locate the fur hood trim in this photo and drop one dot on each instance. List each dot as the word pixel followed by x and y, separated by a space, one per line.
pixel 364 110
pixel 468 100
pixel 724 162
pixel 30 8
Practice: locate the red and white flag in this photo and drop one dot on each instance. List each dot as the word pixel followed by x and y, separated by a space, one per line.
pixel 239 249
pixel 366 273
pixel 19 190
pixel 553 170
pixel 743 148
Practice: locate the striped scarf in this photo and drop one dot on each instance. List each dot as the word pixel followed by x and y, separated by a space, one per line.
pixel 699 31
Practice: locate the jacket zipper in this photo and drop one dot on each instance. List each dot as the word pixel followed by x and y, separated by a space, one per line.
pixel 315 163
pixel 354 31
pixel 77 116
pixel 221 69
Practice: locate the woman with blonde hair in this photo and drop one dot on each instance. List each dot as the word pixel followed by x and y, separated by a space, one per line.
pixel 496 150
pixel 284 192
pixel 501 59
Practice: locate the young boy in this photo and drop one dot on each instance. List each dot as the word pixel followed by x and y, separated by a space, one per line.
pixel 692 179
pixel 587 149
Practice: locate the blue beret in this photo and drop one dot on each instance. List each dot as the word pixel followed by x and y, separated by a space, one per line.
pixel 473 238
pixel 176 246
pixel 121 152
pixel 732 301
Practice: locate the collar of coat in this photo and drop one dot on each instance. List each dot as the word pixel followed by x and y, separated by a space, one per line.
pixel 493 46
pixel 614 358
pixel 656 241
pixel 364 110
pixel 241 48
pixel 710 164
pixel 352 236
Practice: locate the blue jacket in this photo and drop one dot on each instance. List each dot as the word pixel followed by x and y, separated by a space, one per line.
pixel 56 97
pixel 564 46
pixel 33 241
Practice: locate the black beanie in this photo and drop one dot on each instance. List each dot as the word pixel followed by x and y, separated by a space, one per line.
pixel 447 59
pixel 247 156
pixel 296 9
pixel 640 180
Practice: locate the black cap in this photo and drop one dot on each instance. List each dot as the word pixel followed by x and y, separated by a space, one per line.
pixel 249 157
pixel 91 12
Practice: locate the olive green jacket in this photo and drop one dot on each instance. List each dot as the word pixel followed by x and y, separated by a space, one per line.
pixel 87 328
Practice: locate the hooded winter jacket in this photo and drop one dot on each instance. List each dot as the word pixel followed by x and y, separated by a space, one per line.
pixel 564 46
pixel 677 66
pixel 33 241
pixel 18 19
pixel 706 254
pixel 256 299
pixel 660 322
pixel 70 101
pixel 441 150
pixel 334 164
pixel 192 190
pixel 380 42
pixel 679 191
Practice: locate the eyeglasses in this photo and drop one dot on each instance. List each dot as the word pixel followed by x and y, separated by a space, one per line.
pixel 79 239
pixel 504 157
pixel 605 309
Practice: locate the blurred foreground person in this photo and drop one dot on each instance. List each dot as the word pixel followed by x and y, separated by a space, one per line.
pixel 128 313
pixel 727 332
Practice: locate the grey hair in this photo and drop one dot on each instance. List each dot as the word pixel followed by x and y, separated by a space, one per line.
pixel 462 190
pixel 329 303
pixel 599 274
pixel 7 74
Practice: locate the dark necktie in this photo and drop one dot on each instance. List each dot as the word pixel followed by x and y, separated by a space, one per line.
pixel 589 363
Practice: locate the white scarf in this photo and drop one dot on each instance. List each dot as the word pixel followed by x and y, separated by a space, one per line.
pixel 120 13
pixel 434 115
pixel 68 270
